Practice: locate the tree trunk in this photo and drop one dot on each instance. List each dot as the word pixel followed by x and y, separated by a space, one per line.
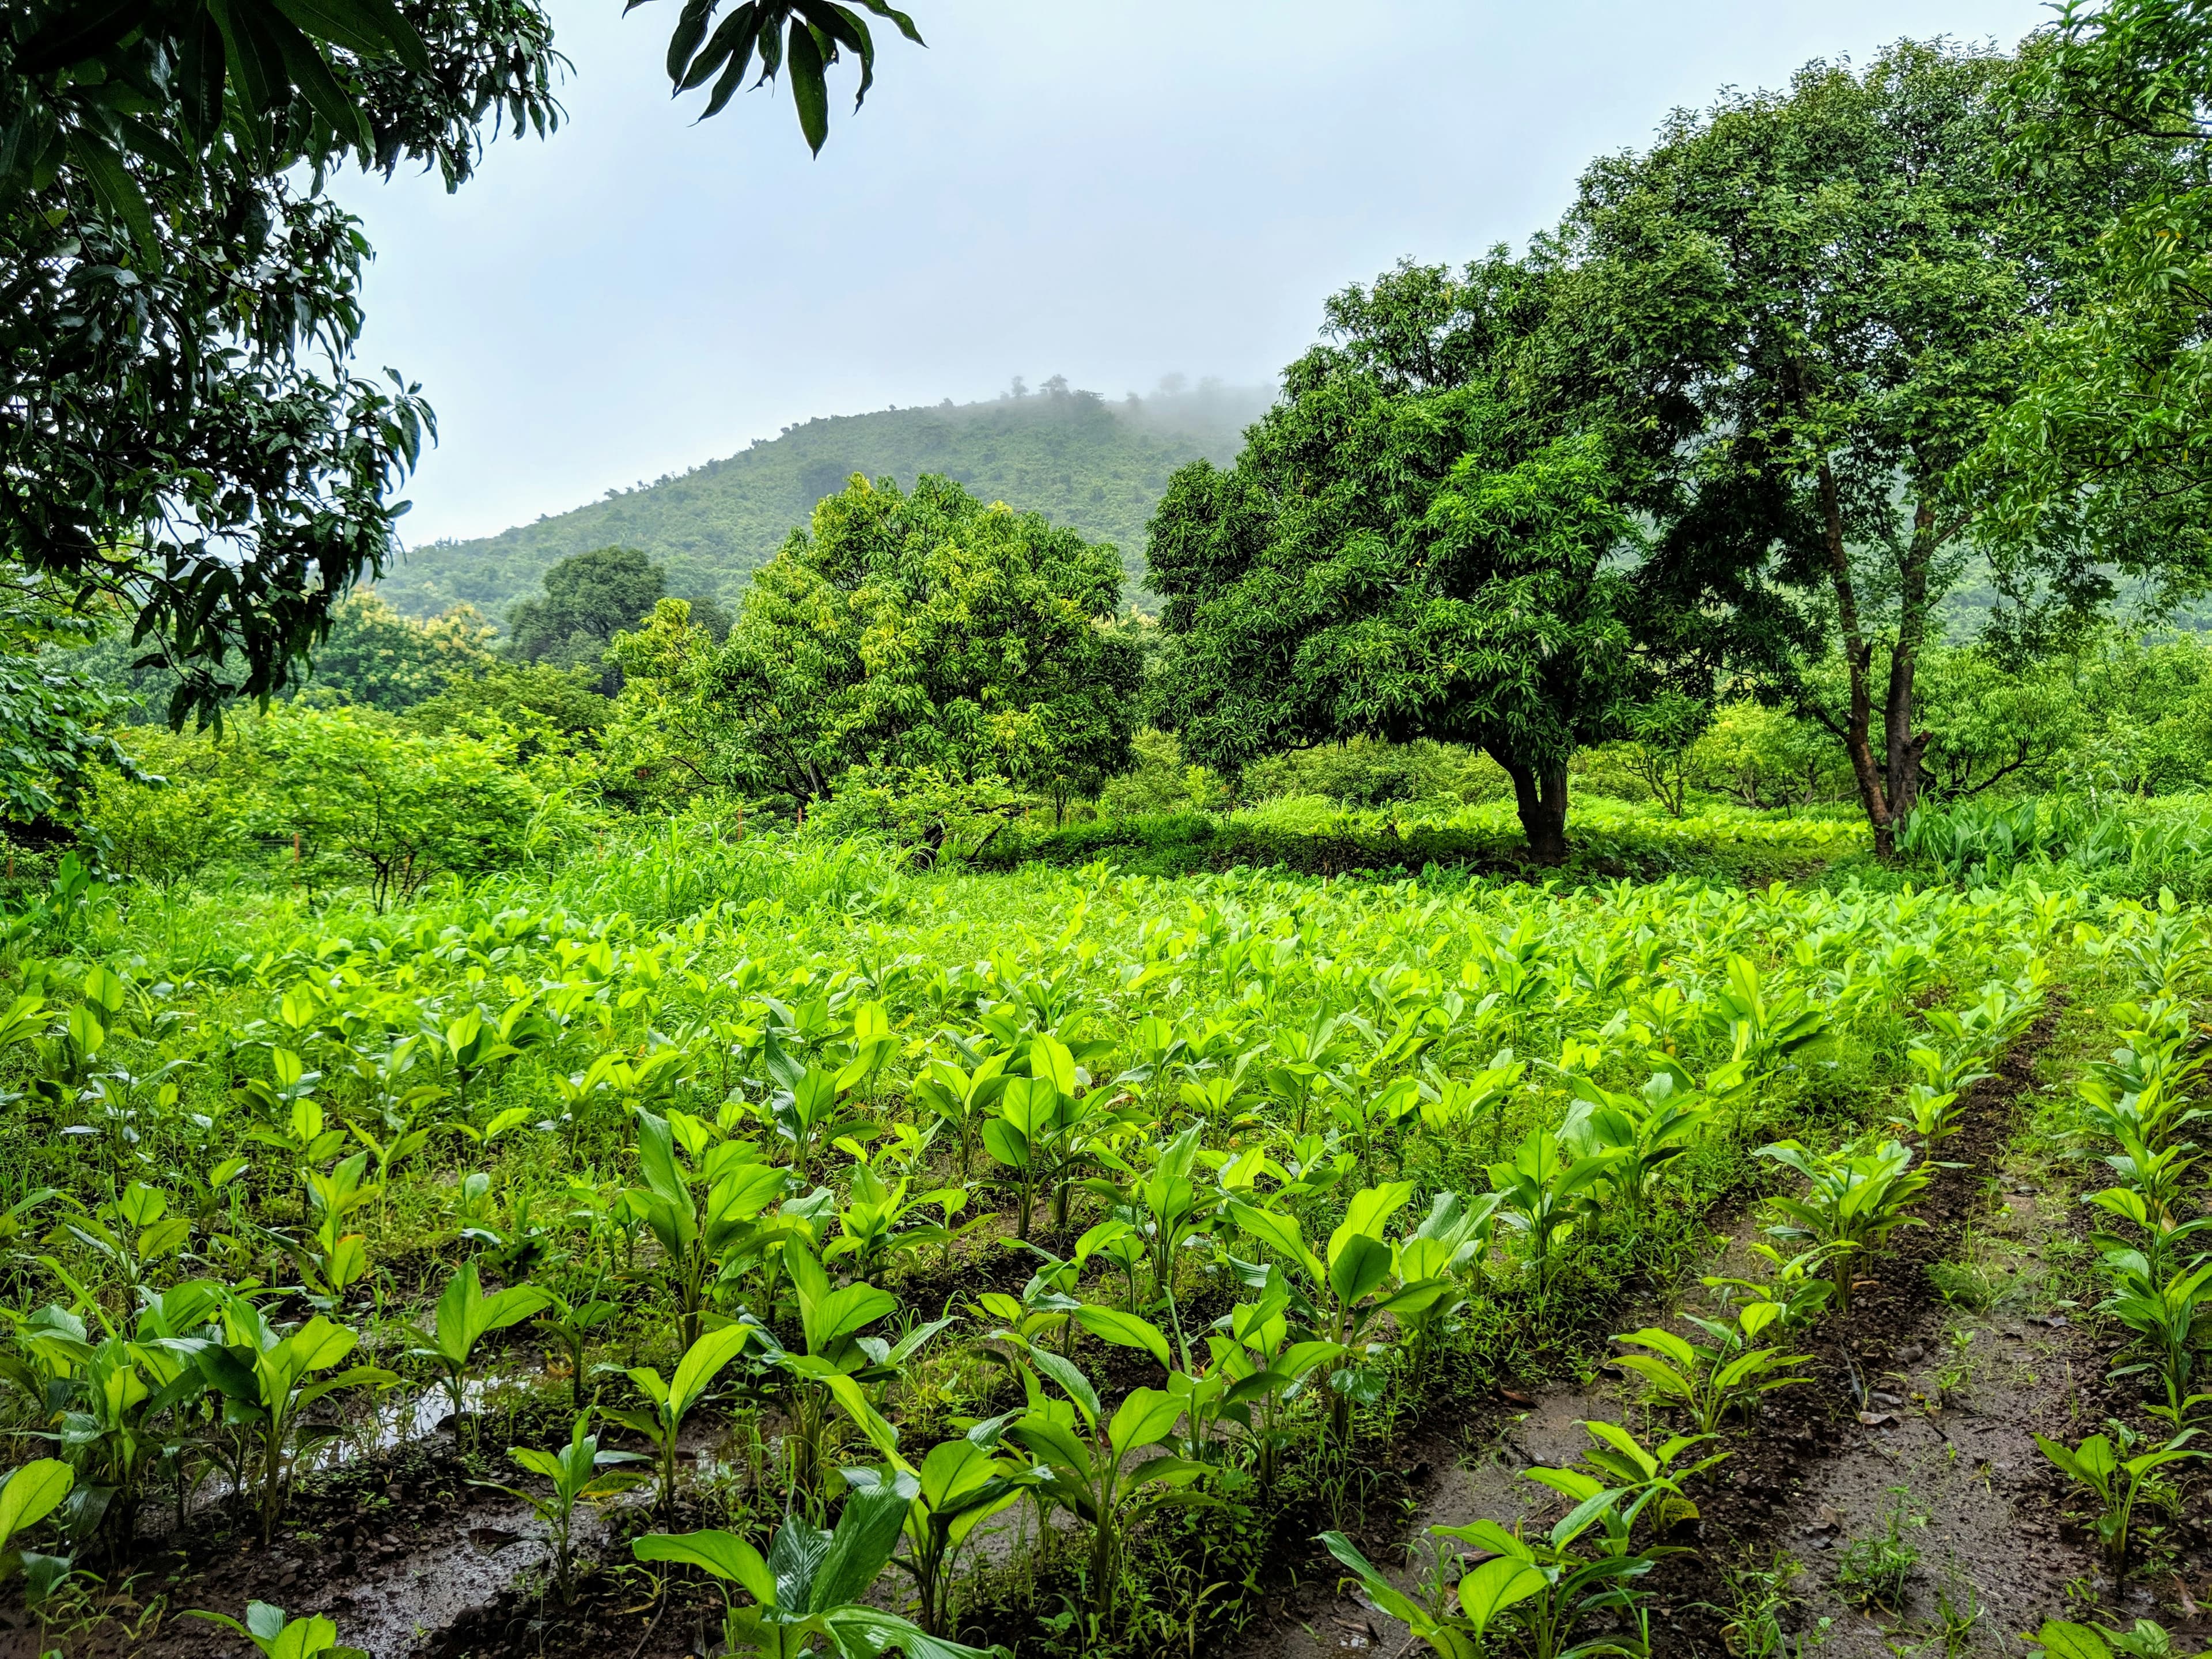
pixel 1905 747
pixel 1858 661
pixel 1542 797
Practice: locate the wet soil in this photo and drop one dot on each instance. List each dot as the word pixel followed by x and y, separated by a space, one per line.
pixel 1908 1392
pixel 1918 1408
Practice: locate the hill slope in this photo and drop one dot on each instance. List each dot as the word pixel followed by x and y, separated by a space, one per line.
pixel 1097 467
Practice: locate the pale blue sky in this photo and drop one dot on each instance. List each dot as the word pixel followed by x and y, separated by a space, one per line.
pixel 1109 191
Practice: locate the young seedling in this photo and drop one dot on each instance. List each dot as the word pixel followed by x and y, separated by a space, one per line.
pixel 667 1400
pixel 813 1582
pixel 2098 1469
pixel 1854 1200
pixel 1573 1589
pixel 1636 1477
pixel 839 1359
pixel 269 1378
pixel 959 1485
pixel 1546 1191
pixel 464 1317
pixel 579 1473
pixel 1452 1622
pixel 571 1324
pixel 279 1637
pixel 2171 1314
pixel 1710 1379
pixel 1106 1488
pixel 1348 1292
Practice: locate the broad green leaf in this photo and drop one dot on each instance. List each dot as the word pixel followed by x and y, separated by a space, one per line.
pixel 2061 1640
pixel 863 1630
pixel 724 1554
pixel 703 1361
pixel 319 1344
pixel 1665 1342
pixel 656 1152
pixel 882 1433
pixel 1358 1265
pixel 1054 1444
pixel 1125 1330
pixel 867 1532
pixel 1496 1585
pixel 1380 1590
pixel 30 1494
pixel 1049 1059
pixel 1072 1381
pixel 809 92
pixel 1371 1207
pixel 1142 1419
pixel 1279 1233
pixel 842 1312
pixel 303 1638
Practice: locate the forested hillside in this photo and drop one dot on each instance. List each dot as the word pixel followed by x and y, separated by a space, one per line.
pixel 1096 466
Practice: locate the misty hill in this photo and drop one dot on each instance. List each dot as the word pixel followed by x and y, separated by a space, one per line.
pixel 1097 467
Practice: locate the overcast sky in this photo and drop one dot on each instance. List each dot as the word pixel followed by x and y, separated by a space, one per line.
pixel 1112 191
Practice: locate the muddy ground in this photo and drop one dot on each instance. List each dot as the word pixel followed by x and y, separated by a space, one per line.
pixel 1919 1423
pixel 1919 1418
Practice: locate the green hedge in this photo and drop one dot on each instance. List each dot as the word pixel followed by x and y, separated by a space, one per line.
pixel 1191 844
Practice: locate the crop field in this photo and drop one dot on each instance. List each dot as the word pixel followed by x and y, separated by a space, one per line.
pixel 1526 975
pixel 766 1242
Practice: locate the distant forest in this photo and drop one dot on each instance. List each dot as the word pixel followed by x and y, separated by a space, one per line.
pixel 1097 466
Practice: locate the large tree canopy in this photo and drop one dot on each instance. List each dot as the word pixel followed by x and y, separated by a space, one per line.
pixel 2112 430
pixel 182 433
pixel 916 632
pixel 589 598
pixel 1402 551
pixel 1814 306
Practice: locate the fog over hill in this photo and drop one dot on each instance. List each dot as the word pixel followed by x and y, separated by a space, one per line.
pixel 1097 465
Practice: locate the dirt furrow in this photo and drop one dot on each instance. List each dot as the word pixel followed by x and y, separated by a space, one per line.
pixel 1811 1475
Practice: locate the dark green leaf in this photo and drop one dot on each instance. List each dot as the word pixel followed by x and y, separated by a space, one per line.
pixel 145 140
pixel 305 63
pixel 80 32
pixel 733 76
pixel 810 91
pixel 117 191
pixel 842 26
pixel 392 23
pixel 733 38
pixel 867 1533
pixel 882 8
pixel 356 26
pixel 199 78
pixel 690 29
pixel 257 62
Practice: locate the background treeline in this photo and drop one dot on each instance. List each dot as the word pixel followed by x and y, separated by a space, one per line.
pixel 421 747
pixel 1684 503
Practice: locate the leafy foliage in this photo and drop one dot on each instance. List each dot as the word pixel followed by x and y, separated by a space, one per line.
pixel 2105 435
pixel 912 632
pixel 188 439
pixel 1812 307
pixel 1400 553
pixel 793 35
pixel 589 599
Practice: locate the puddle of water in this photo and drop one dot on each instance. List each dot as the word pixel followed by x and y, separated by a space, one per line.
pixel 401 1416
